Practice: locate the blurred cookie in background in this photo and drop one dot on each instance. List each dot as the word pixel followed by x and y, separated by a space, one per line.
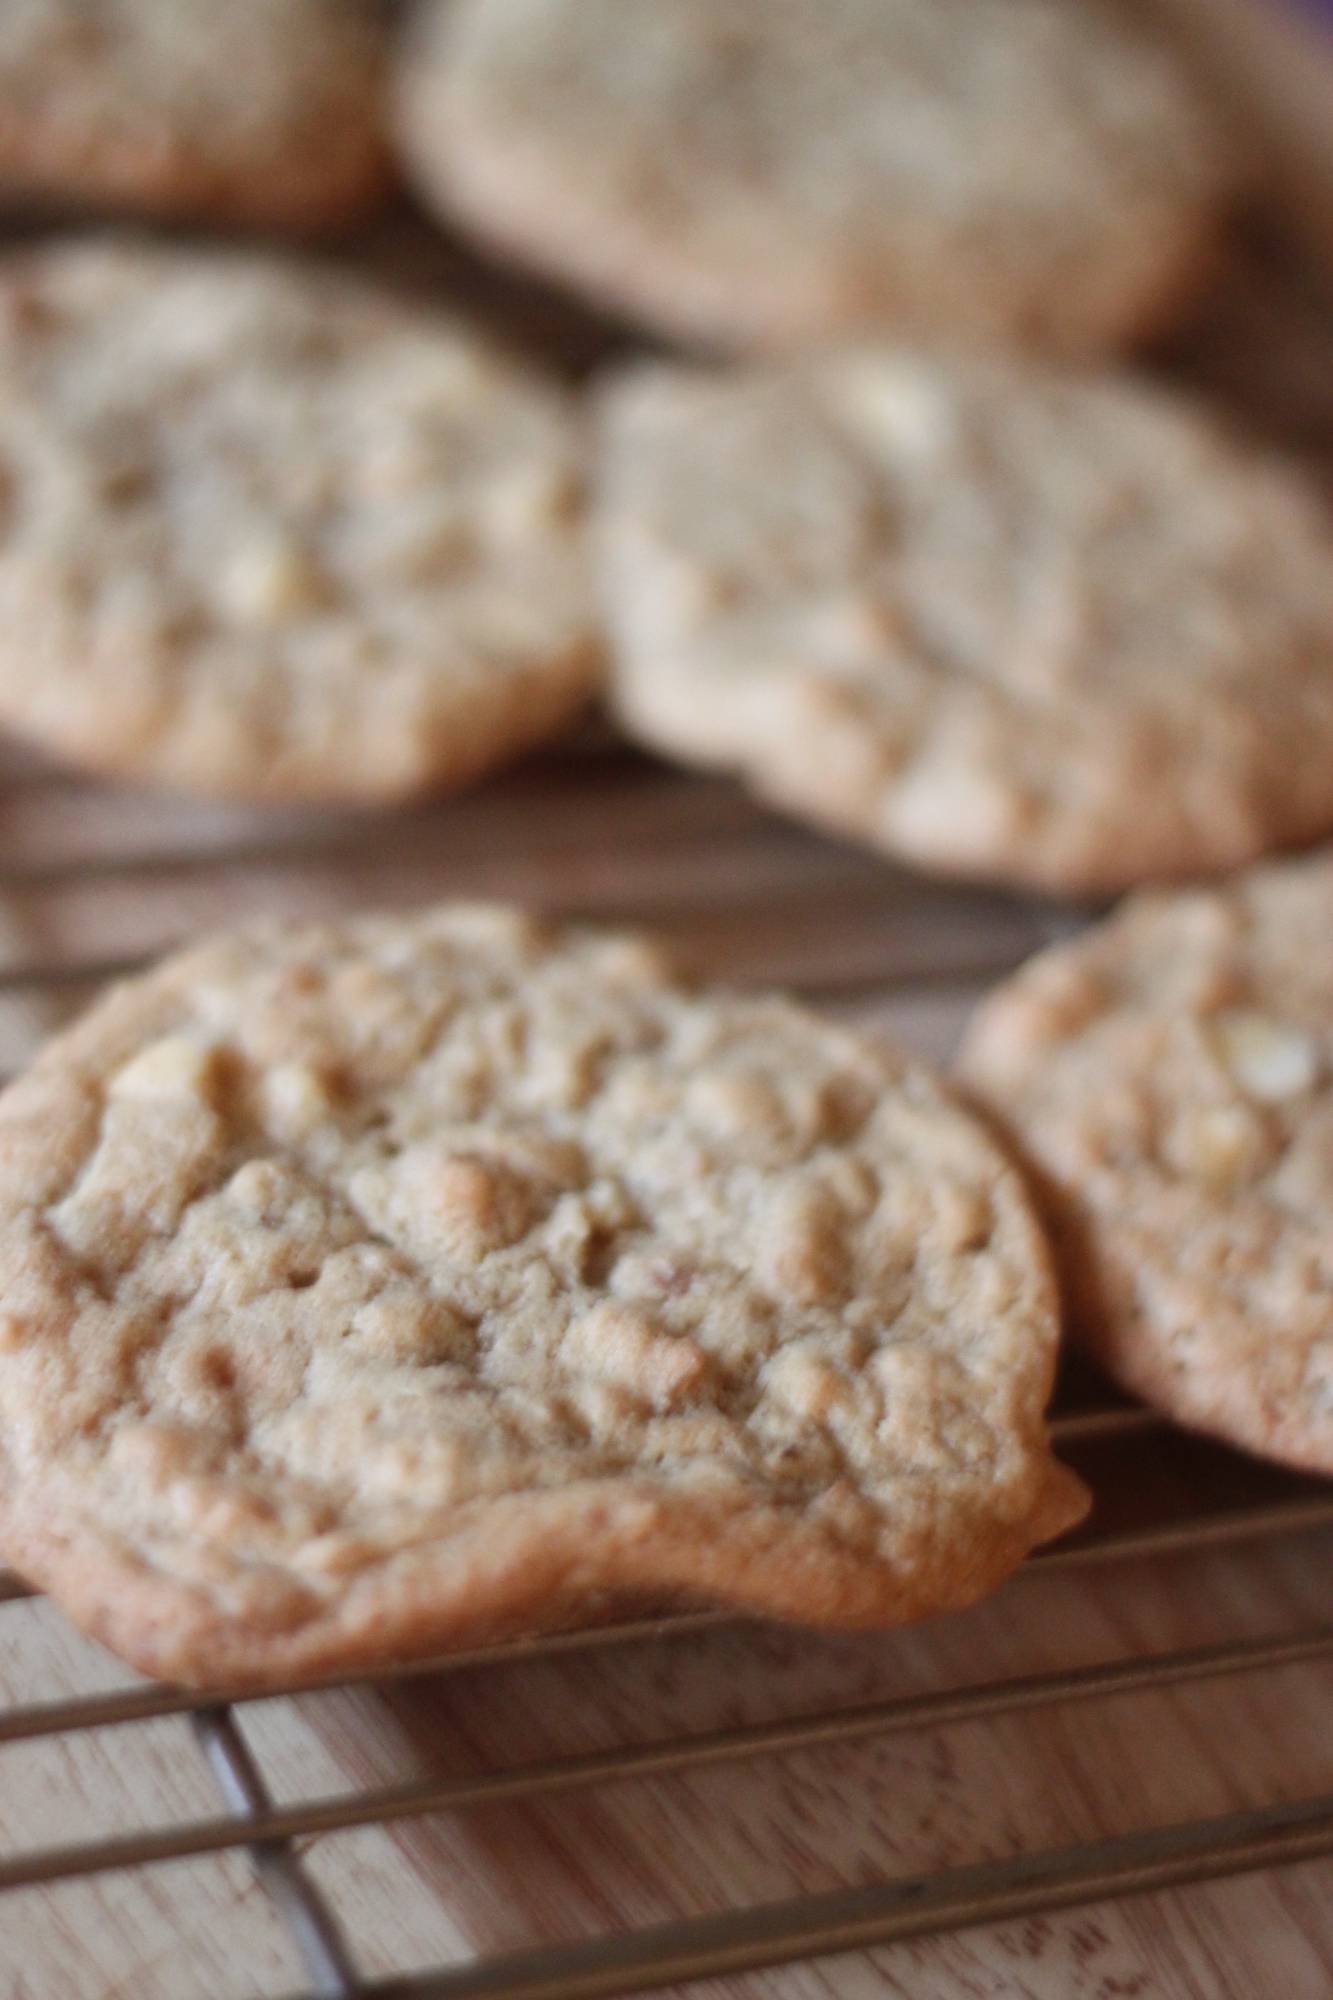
pixel 1017 625
pixel 270 534
pixel 774 173
pixel 266 113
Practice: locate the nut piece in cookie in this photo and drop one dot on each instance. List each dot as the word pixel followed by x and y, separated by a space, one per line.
pixel 267 113
pixel 269 534
pixel 779 173
pixel 1015 624
pixel 378 1289
pixel 1169 1078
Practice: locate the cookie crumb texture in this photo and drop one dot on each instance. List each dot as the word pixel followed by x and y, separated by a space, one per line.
pixel 1045 629
pixel 268 113
pixel 1169 1077
pixel 776 173
pixel 373 1290
pixel 269 534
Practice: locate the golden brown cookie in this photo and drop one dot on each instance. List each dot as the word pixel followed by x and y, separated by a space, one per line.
pixel 374 1290
pixel 1169 1078
pixel 263 112
pixel 1048 629
pixel 779 173
pixel 273 535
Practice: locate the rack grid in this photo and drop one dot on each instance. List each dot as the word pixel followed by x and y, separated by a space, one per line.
pixel 747 1938
pixel 94 879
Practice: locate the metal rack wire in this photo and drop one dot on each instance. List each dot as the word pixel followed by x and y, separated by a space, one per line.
pixel 763 894
pixel 744 1939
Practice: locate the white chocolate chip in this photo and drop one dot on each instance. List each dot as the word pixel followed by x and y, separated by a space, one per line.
pixel 1270 1060
pixel 296 1100
pixel 261 1190
pixel 336 1554
pixel 450 377
pixel 176 1067
pixel 270 581
pixel 1222 1145
pixel 898 408
pixel 529 501
pixel 851 625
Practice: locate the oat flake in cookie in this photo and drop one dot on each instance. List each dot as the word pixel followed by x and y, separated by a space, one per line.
pixel 270 534
pixel 1169 1077
pixel 263 112
pixel 777 173
pixel 1040 628
pixel 376 1289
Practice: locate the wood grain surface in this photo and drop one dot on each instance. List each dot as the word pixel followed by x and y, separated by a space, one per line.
pixel 93 878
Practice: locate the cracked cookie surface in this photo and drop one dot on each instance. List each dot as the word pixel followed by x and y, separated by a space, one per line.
pixel 779 173
pixel 1169 1078
pixel 268 533
pixel 267 113
pixel 372 1290
pixel 1013 624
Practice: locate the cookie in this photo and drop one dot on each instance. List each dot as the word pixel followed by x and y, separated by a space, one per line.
pixel 271 535
pixel 369 1291
pixel 779 173
pixel 1040 628
pixel 1169 1077
pixel 268 113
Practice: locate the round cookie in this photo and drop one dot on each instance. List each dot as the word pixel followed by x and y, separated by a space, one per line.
pixel 268 534
pixel 1019 625
pixel 1169 1078
pixel 775 173
pixel 268 113
pixel 376 1289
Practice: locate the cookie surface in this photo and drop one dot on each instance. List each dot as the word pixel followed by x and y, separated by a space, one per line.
pixel 1043 629
pixel 262 112
pixel 1169 1077
pixel 271 535
pixel 780 172
pixel 376 1289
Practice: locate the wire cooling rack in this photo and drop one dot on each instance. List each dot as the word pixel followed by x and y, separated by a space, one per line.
pixel 93 879
pixel 747 1938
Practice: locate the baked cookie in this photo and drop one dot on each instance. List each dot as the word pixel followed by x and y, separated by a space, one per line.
pixel 372 1290
pixel 1169 1077
pixel 776 173
pixel 269 534
pixel 263 112
pixel 1037 628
